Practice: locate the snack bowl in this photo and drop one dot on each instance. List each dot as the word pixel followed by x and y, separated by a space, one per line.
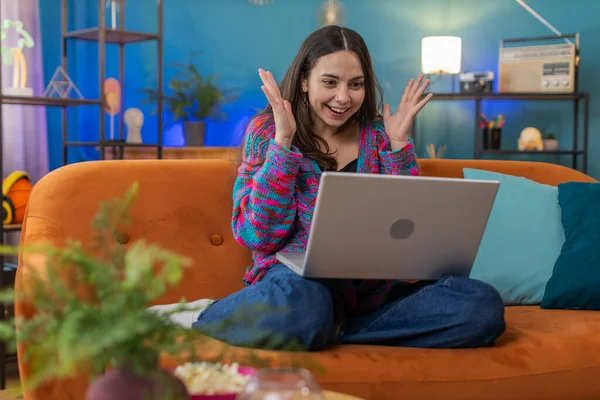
pixel 213 381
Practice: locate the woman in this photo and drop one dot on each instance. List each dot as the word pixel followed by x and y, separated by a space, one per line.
pixel 323 117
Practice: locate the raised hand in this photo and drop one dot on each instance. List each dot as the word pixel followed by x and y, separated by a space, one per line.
pixel 285 123
pixel 398 125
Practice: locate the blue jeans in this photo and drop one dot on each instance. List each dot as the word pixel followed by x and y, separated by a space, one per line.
pixel 453 312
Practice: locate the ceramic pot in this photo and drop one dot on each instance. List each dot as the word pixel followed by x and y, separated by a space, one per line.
pixel 122 384
pixel 550 144
pixel 194 132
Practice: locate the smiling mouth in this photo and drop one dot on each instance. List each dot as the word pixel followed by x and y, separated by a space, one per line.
pixel 338 111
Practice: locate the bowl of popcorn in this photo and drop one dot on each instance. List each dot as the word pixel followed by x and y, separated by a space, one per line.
pixel 213 381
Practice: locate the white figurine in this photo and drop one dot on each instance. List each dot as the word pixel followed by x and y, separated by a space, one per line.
pixel 134 119
pixel 530 139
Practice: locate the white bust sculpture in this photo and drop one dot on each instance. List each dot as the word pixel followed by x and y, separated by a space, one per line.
pixel 134 119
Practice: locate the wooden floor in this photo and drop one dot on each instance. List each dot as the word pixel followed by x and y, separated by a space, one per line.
pixel 13 386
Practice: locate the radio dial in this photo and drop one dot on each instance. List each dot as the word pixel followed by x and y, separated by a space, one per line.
pixel 565 83
pixel 545 83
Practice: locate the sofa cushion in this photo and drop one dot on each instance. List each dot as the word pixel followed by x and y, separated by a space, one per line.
pixel 544 354
pixel 575 281
pixel 522 239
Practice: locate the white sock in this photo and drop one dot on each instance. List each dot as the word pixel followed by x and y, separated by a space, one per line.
pixel 183 318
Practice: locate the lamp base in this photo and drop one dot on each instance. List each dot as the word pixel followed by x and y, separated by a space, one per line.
pixel 21 92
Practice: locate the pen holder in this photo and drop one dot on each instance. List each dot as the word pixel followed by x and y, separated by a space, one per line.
pixel 485 138
pixel 491 138
pixel 496 138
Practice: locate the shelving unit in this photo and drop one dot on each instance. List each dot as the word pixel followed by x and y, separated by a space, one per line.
pixel 120 37
pixel 102 35
pixel 579 100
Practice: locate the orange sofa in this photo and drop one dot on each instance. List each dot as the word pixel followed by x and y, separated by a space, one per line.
pixel 186 206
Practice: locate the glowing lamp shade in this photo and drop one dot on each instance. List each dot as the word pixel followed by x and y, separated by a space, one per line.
pixel 441 55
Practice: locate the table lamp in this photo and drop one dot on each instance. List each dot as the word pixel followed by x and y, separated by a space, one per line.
pixel 441 55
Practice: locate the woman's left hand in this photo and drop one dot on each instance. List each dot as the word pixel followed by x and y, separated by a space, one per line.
pixel 398 126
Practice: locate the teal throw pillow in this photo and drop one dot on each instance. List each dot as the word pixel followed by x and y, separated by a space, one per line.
pixel 522 239
pixel 575 281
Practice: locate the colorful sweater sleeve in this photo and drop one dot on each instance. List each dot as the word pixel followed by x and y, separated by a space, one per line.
pixel 264 208
pixel 399 162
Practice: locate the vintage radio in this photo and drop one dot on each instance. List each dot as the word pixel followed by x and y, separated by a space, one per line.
pixel 548 68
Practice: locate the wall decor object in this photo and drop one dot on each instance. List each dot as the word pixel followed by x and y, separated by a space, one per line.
pixel 60 85
pixel 530 139
pixel 12 54
pixel 332 12
pixel 134 120
pixel 112 93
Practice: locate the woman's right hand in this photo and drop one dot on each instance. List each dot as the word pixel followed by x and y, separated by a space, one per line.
pixel 285 123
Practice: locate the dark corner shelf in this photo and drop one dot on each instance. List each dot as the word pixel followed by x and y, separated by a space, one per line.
pixel 529 152
pixel 116 36
pixel 47 101
pixel 580 103
pixel 110 143
pixel 509 96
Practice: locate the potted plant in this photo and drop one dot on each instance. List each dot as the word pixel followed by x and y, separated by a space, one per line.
pixel 193 99
pixel 110 332
pixel 550 142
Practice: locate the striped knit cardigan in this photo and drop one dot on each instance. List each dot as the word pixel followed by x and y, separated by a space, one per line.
pixel 274 198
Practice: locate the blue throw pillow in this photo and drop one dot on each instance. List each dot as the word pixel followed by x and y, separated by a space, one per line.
pixel 522 239
pixel 575 281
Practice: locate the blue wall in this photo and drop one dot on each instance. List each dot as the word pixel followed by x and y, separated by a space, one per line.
pixel 236 38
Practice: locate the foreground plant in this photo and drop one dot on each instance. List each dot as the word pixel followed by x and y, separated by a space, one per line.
pixel 91 313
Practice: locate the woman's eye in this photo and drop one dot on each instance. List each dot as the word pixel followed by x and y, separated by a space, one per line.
pixel 329 82
pixel 356 85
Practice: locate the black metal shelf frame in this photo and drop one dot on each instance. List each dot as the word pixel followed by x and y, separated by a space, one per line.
pixel 575 97
pixel 102 36
pixel 121 37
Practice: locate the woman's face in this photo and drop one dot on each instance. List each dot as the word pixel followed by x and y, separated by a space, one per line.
pixel 336 88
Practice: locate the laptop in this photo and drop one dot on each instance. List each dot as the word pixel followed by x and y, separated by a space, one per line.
pixel 374 226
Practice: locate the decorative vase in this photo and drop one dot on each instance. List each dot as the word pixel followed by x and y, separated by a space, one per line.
pixel 194 132
pixel 550 144
pixel 123 384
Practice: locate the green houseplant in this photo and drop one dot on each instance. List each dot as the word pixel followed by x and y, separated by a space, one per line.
pixel 109 328
pixel 193 98
pixel 109 332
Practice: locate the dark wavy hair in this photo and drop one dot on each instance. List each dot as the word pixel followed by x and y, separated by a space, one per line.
pixel 322 42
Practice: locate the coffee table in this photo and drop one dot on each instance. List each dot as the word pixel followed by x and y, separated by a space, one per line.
pixel 339 396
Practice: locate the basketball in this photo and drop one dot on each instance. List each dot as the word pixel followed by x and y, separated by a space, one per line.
pixel 19 195
pixel 16 188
